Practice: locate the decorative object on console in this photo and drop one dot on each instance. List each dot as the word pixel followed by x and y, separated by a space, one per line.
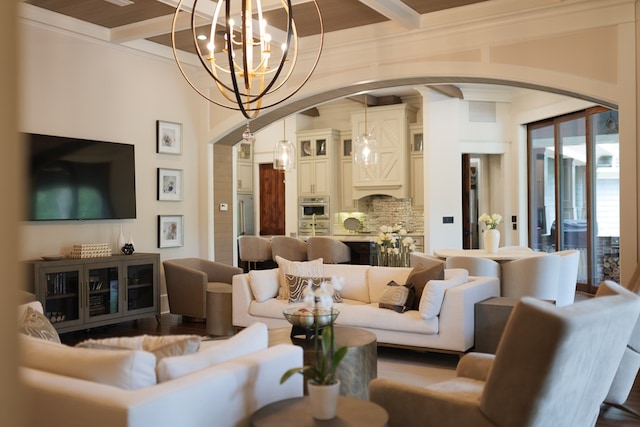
pixel 170 231
pixel 90 250
pixel 168 137
pixel 491 234
pixel 120 242
pixel 322 383
pixel 394 247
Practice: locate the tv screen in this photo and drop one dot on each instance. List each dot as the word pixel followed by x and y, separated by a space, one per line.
pixel 78 179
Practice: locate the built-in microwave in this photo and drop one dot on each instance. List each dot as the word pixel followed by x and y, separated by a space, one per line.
pixel 314 207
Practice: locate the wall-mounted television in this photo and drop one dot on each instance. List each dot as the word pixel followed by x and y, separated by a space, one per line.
pixel 79 179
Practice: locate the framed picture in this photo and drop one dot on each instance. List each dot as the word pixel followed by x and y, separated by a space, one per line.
pixel 169 137
pixel 170 231
pixel 169 184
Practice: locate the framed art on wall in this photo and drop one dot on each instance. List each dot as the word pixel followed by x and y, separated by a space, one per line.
pixel 170 231
pixel 169 137
pixel 169 184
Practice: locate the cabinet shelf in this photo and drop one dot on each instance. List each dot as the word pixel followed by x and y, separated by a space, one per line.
pixel 64 287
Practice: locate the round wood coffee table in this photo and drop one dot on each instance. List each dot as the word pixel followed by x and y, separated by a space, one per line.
pixel 358 367
pixel 296 412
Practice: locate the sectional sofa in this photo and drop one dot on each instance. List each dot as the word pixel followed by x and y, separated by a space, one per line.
pixel 444 320
pixel 221 384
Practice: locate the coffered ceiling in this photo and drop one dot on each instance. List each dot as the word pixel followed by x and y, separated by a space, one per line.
pixel 151 19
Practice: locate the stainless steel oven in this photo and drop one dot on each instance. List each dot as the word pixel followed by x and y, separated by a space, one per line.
pixel 313 207
pixel 313 228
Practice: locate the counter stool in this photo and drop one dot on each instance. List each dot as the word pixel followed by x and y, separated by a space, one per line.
pixel 219 309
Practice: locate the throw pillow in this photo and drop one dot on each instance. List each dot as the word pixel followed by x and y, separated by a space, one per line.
pixel 419 277
pixel 160 346
pixel 297 268
pixel 433 295
pixel 264 284
pixel 127 369
pixel 249 340
pixel 298 284
pixel 35 324
pixel 397 297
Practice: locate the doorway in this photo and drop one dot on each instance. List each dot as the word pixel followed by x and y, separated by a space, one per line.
pixel 272 201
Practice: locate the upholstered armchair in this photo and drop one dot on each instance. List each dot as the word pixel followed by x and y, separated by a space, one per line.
pixel 553 367
pixel 187 282
pixel 331 251
pixel 289 248
pixel 630 364
pixel 536 276
pixel 254 249
pixel 475 266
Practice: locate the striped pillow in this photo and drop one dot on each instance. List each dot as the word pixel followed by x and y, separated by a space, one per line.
pixel 297 285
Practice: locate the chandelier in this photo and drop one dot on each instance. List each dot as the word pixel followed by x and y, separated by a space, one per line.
pixel 365 147
pixel 250 62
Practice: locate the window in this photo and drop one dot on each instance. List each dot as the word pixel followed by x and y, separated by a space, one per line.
pixel 574 191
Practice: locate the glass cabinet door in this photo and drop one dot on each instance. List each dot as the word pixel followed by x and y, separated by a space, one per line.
pixel 140 294
pixel 102 289
pixel 62 295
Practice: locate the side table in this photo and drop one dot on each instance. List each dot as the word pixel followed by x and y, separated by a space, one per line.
pixel 296 412
pixel 358 367
pixel 491 317
pixel 219 321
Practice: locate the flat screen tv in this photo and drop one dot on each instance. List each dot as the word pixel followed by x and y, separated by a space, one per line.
pixel 79 179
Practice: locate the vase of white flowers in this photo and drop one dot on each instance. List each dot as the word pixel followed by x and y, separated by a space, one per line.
pixel 491 233
pixel 394 246
pixel 322 383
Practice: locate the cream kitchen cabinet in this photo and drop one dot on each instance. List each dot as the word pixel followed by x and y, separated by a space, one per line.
pixel 347 202
pixel 316 162
pixel 389 125
pixel 417 165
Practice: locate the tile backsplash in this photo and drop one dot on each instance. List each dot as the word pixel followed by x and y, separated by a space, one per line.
pixel 375 211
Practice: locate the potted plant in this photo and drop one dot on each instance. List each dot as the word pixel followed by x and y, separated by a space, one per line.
pixel 322 384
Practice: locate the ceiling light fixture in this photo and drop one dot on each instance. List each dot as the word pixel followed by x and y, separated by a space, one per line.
pixel 365 150
pixel 239 57
pixel 284 152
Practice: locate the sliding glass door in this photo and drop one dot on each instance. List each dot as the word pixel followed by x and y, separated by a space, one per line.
pixel 574 191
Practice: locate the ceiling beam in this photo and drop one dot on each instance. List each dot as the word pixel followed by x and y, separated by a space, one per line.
pixel 396 11
pixel 448 90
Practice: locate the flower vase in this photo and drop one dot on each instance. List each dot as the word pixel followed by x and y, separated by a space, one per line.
pixel 491 240
pixel 120 241
pixel 324 400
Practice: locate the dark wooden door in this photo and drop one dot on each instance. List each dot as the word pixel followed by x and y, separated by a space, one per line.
pixel 467 234
pixel 272 201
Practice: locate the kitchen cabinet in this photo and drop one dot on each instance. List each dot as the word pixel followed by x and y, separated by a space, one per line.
pixel 389 125
pixel 417 165
pixel 89 292
pixel 347 202
pixel 316 162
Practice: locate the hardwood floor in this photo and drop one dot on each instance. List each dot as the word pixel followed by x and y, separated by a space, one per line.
pixel 171 324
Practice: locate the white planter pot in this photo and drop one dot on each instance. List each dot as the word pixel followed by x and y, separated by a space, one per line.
pixel 491 240
pixel 324 400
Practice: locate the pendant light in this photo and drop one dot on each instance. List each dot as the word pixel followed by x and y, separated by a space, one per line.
pixel 365 150
pixel 284 152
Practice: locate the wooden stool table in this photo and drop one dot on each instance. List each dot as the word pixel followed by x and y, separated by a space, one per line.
pixel 358 367
pixel 296 412
pixel 219 321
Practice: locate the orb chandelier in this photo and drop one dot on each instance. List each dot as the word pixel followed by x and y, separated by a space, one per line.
pixel 251 63
pixel 365 147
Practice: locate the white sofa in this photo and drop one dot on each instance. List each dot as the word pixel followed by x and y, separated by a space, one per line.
pixel 448 328
pixel 223 394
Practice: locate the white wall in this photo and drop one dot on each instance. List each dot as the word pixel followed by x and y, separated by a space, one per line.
pixel 79 87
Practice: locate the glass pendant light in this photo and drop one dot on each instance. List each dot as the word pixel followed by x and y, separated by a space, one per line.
pixel 365 150
pixel 284 153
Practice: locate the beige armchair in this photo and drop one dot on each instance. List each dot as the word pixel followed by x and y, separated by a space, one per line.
pixel 289 248
pixel 187 282
pixel 254 249
pixel 331 251
pixel 553 367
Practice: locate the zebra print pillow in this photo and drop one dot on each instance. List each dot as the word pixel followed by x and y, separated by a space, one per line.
pixel 297 285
